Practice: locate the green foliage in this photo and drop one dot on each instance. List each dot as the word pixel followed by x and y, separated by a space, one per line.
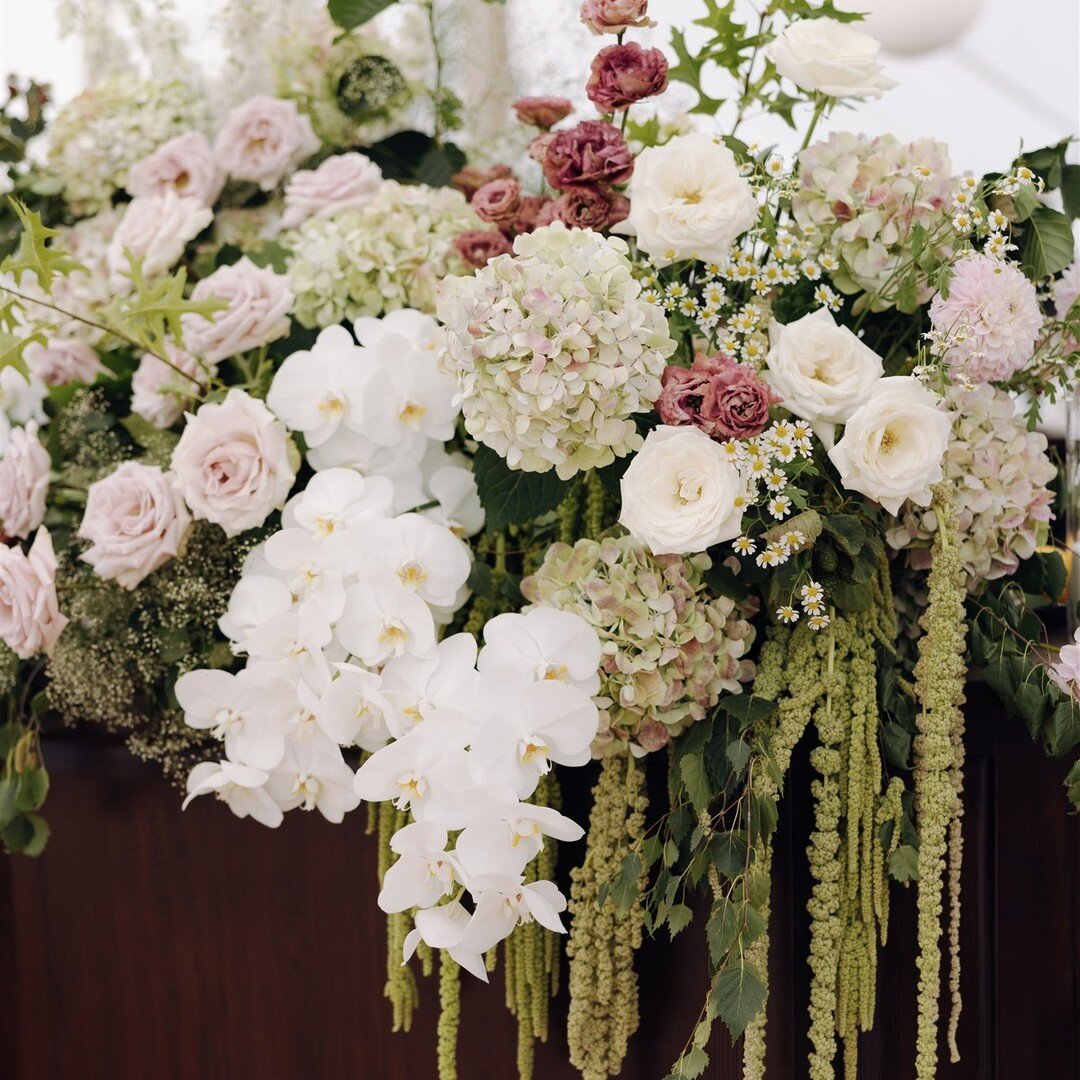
pixel 737 995
pixel 34 254
pixel 412 155
pixel 1048 243
pixel 510 496
pixel 24 785
pixel 349 14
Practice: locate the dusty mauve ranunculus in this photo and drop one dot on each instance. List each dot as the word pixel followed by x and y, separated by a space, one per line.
pixel 591 208
pixel 24 479
pixel 472 178
pixel 497 202
pixel 543 112
pixel 592 152
pixel 185 164
pixel 263 140
pixel 63 360
pixel 624 74
pixel 614 16
pixel 479 246
pixel 154 230
pixel 723 398
pixel 135 521
pixel 159 391
pixel 234 463
pixel 30 619
pixel 534 212
pixel 258 311
pixel 342 182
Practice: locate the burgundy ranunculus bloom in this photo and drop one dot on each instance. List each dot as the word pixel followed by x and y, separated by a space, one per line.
pixel 479 246
pixel 592 152
pixel 543 112
pixel 534 211
pixel 497 201
pixel 624 74
pixel 614 16
pixel 591 208
pixel 472 178
pixel 726 399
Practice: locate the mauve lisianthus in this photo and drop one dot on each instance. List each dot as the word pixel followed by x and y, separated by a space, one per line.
pixel 263 140
pixel 479 246
pixel 615 16
pixel 591 208
pixel 498 201
pixel 991 318
pixel 24 480
pixel 542 112
pixel 669 648
pixel 62 360
pixel 555 351
pixel 726 399
pixel 185 164
pixel 592 152
pixel 473 177
pixel 30 619
pixel 624 74
pixel 1065 671
pixel 342 182
pixel 1001 472
pixel 535 212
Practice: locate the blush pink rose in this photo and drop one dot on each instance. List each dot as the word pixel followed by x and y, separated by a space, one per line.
pixel 624 74
pixel 257 313
pixel 185 165
pixel 30 619
pixel 234 463
pixel 63 360
pixel 615 16
pixel 592 152
pixel 159 391
pixel 542 112
pixel 497 201
pixel 479 246
pixel 135 521
pixel 155 230
pixel 342 182
pixel 591 208
pixel 723 398
pixel 24 480
pixel 263 140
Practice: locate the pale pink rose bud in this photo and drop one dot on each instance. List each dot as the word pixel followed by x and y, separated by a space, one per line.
pixel 63 360
pixel 497 202
pixel 24 480
pixel 543 112
pixel 257 313
pixel 185 164
pixel 615 16
pixel 30 619
pixel 263 140
pixel 624 74
pixel 479 246
pixel 343 182
pixel 154 231
pixel 135 521
pixel 160 391
pixel 234 463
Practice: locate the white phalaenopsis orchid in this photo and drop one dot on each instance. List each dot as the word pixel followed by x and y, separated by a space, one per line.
pixel 415 686
pixel 314 570
pixel 339 502
pixel 459 509
pixel 292 643
pixel 427 558
pixel 255 599
pixel 353 710
pixel 383 619
pixel 424 873
pixel 240 787
pixel 314 777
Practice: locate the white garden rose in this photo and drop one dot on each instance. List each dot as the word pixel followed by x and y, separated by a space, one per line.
pixel 687 200
pixel 822 370
pixel 830 57
pixel 681 493
pixel 894 446
pixel 234 463
pixel 154 230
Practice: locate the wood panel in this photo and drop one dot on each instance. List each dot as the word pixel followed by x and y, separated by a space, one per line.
pixel 147 943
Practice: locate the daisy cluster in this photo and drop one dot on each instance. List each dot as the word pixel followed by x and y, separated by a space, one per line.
pixel 386 256
pixel 555 349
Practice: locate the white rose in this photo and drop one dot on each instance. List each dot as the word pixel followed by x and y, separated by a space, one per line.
pixel 22 399
pixel 894 445
pixel 185 165
pixel 822 371
pixel 135 522
pixel 155 230
pixel 681 493
pixel 687 200
pixel 342 182
pixel 830 57
pixel 24 480
pixel 234 463
pixel 263 140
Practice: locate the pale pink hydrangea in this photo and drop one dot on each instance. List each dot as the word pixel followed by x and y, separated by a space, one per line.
pixel 991 318
pixel 1003 504
pixel 1065 671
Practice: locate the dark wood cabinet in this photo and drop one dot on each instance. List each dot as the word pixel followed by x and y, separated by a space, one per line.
pixel 150 943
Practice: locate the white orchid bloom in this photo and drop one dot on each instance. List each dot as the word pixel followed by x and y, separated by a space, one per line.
pixel 530 726
pixel 399 464
pixel 314 570
pixel 304 723
pixel 527 824
pixel 423 874
pixel 544 644
pixel 339 501
pixel 240 787
pixel 249 713
pixel 415 686
pixel 384 619
pixel 443 928
pixel 317 391
pixel 353 710
pixel 427 558
pixel 459 509
pixel 314 778
pixel 293 644
pixel 255 599
pixel 420 330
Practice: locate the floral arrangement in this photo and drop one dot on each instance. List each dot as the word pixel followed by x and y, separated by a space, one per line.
pixel 337 468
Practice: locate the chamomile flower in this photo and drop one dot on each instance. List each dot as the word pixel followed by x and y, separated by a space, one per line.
pixel 810 270
pixel 962 222
pixel 829 263
pixel 774 165
pixel 714 294
pixel 733 449
pixel 776 480
pixel 997 221
pixel 688 306
pixel 787 614
pixel 828 297
pixel 676 290
pixel 811 593
pixel 771 556
pixel 792 540
pixel 779 506
pixel 744 545
pixel 817 622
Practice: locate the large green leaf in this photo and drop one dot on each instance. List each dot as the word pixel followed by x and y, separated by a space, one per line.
pixel 1048 243
pixel 737 996
pixel 349 14
pixel 510 496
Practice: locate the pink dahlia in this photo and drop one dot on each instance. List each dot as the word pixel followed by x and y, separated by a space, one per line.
pixel 993 313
